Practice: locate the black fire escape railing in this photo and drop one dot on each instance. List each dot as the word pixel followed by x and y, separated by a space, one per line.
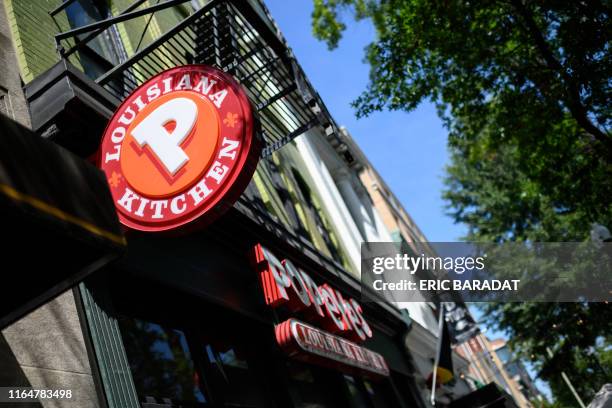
pixel 234 37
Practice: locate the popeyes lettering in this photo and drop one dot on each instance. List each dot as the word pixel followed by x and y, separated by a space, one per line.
pixel 285 284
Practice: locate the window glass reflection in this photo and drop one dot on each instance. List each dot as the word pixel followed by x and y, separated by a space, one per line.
pixel 357 397
pixel 161 363
pixel 84 12
pixel 231 378
pixel 378 394
pixel 314 389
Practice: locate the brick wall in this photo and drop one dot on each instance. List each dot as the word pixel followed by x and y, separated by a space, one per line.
pixel 12 100
pixel 33 29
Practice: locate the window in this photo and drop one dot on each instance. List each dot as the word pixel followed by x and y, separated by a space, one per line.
pixel 378 394
pixel 5 107
pixel 185 368
pixel 230 377
pixel 369 394
pixel 356 393
pixel 161 363
pixel 322 224
pixel 103 51
pixel 315 387
pixel 3 104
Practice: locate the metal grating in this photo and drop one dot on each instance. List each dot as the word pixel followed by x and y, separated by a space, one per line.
pixel 234 38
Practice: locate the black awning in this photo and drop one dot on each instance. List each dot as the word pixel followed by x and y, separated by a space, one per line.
pixel 58 220
pixel 489 396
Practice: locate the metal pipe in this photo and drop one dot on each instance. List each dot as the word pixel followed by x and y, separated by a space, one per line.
pixel 110 21
pixel 91 36
pixel 437 360
pixel 60 7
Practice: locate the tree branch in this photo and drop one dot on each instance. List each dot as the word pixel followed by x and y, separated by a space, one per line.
pixel 573 102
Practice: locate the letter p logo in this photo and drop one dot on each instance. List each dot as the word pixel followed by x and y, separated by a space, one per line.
pixel 166 146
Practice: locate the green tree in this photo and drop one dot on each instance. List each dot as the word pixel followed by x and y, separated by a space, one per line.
pixel 534 76
pixel 523 88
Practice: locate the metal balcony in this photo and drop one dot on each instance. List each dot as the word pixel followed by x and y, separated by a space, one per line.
pixel 232 36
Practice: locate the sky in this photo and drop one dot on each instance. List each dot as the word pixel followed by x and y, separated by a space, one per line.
pixel 407 149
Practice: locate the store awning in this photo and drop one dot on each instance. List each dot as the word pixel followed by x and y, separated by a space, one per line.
pixel 58 220
pixel 489 396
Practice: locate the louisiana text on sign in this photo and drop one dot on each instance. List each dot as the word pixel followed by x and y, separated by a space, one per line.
pixel 181 146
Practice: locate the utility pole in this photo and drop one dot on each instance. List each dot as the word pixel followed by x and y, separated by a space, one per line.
pixel 437 360
pixel 568 382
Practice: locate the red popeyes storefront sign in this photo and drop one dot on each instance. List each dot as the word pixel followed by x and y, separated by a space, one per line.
pixel 307 343
pixel 182 145
pixel 284 284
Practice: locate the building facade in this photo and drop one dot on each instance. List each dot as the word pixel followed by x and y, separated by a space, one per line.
pixel 182 320
pixel 487 366
pixel 516 370
pixel 423 338
pixel 475 361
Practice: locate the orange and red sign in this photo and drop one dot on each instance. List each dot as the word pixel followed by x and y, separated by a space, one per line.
pixel 287 285
pixel 307 343
pixel 182 145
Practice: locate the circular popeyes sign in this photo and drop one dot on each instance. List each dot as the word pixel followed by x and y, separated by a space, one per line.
pixel 181 148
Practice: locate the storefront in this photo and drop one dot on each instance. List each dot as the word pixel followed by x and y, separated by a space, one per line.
pixel 193 328
pixel 190 316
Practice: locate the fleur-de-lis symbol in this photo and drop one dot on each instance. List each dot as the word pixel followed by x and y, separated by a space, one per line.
pixel 114 179
pixel 231 119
